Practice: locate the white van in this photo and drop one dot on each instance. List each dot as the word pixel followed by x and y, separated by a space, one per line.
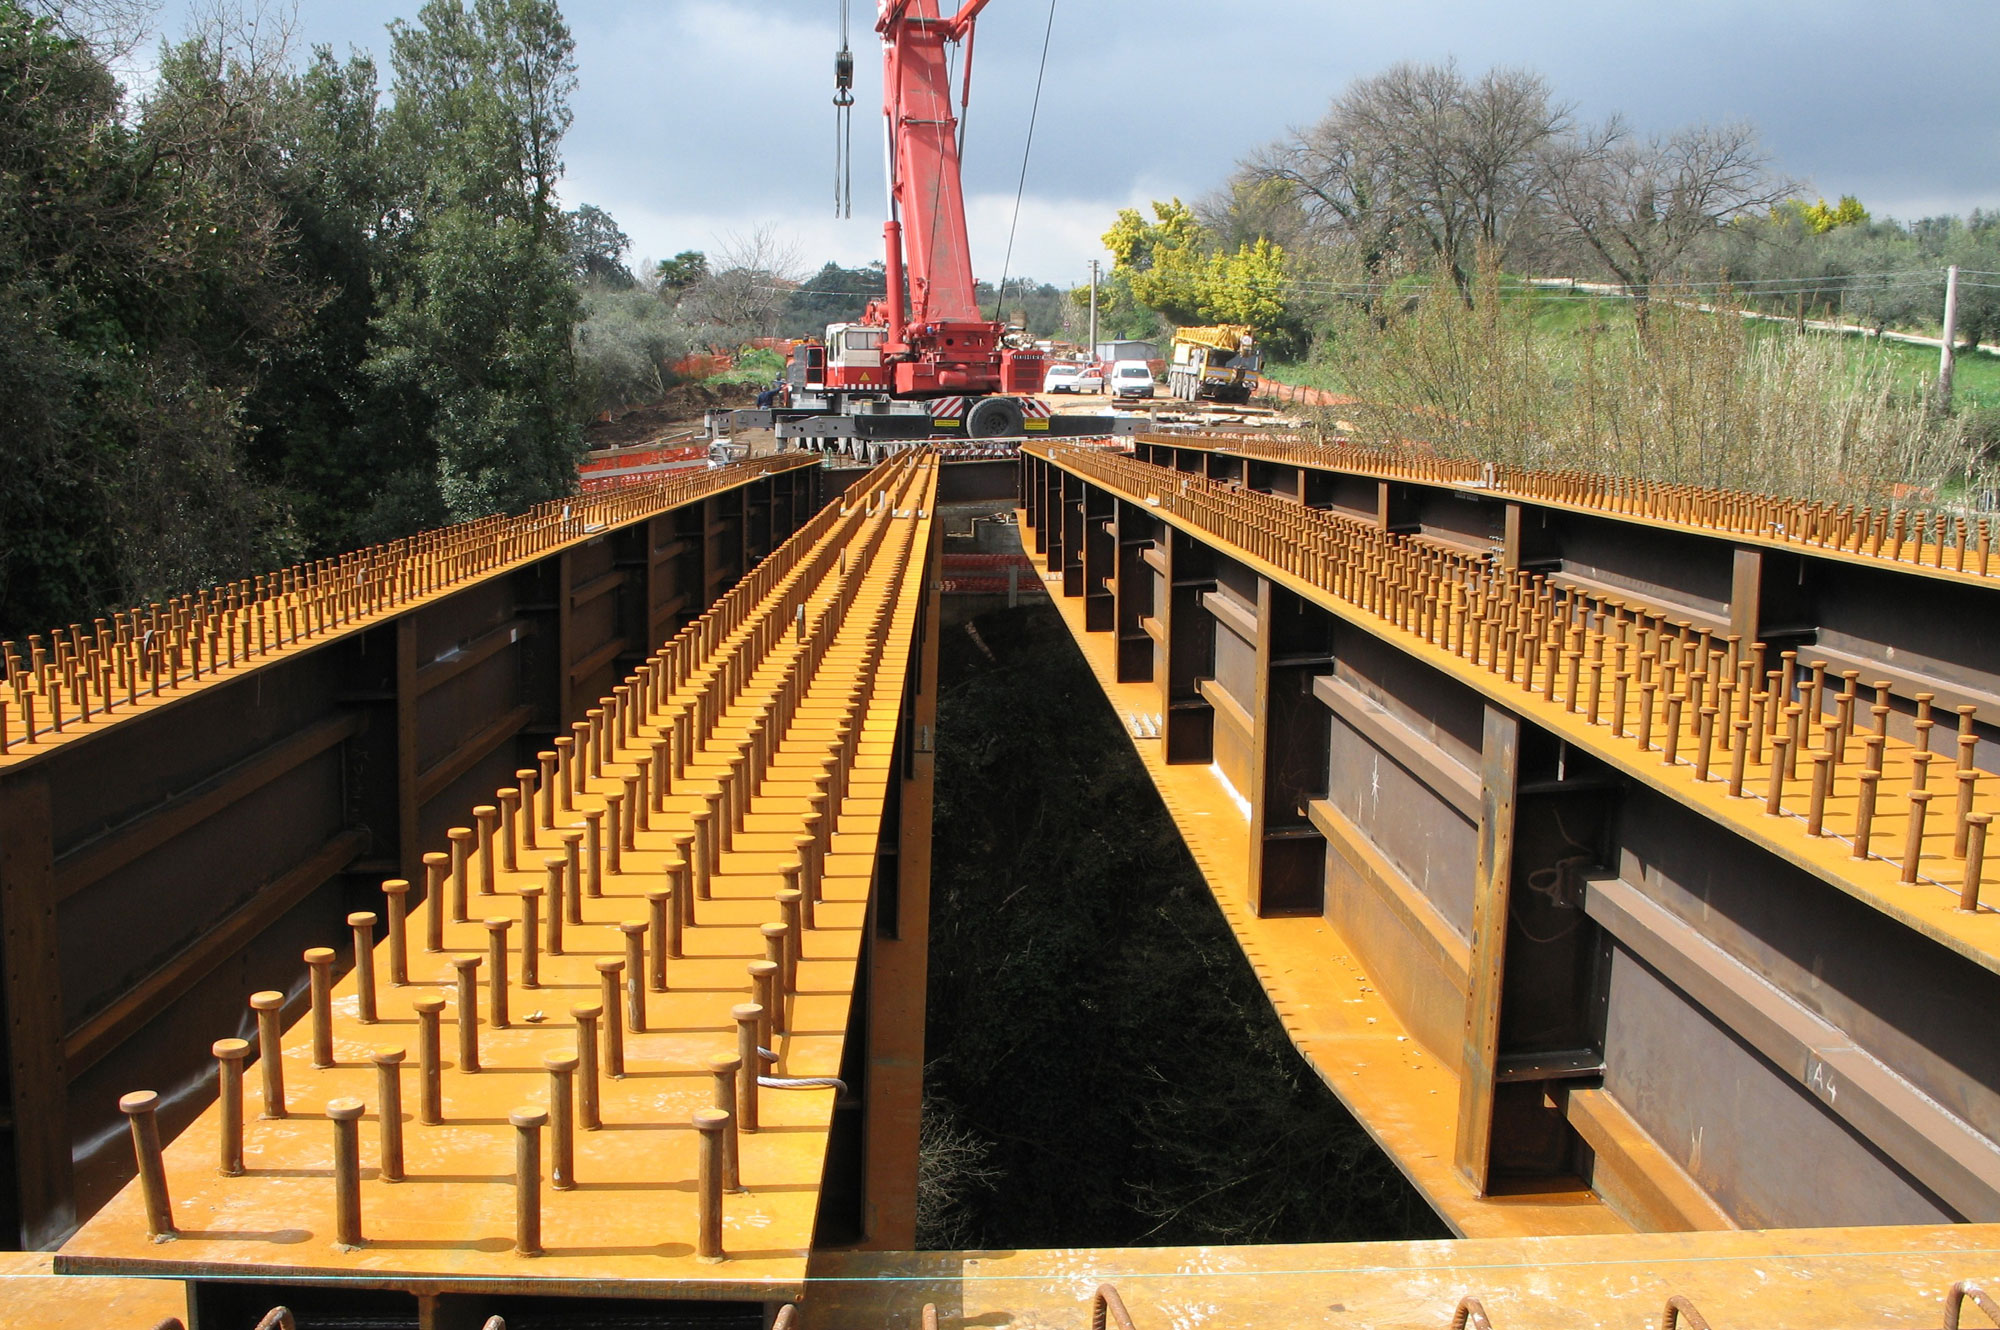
pixel 1131 378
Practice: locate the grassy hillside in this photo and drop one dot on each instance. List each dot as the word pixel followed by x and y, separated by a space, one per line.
pixel 1976 380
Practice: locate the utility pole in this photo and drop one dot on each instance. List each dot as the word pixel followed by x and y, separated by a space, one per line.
pixel 1950 335
pixel 1093 308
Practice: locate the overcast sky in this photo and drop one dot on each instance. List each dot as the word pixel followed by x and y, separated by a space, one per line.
pixel 699 120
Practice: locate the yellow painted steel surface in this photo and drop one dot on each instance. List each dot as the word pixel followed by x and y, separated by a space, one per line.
pixel 833 619
pixel 1547 1259
pixel 33 1295
pixel 1451 613
pixel 84 682
pixel 1404 1096
pixel 1946 546
pixel 1799 1279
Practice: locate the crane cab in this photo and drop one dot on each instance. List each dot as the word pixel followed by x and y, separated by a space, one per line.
pixel 854 356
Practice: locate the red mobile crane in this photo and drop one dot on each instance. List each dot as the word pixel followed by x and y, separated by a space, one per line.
pixel 922 362
pixel 944 346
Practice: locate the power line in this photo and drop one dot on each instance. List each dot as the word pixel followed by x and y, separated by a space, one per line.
pixel 1034 109
pixel 1904 278
pixel 1910 277
pixel 1555 288
pixel 1328 288
pixel 1663 292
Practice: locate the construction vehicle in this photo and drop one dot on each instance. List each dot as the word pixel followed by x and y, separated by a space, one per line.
pixel 922 362
pixel 1217 364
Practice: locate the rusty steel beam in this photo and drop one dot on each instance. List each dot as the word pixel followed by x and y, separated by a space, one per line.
pixel 898 948
pixel 1492 890
pixel 32 1294
pixel 1785 572
pixel 762 747
pixel 1810 917
pixel 1525 640
pixel 1927 543
pixel 147 655
pixel 187 834
pixel 42 1206
pixel 146 831
pixel 86 1044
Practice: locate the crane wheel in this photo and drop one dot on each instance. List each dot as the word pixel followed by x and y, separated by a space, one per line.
pixel 994 418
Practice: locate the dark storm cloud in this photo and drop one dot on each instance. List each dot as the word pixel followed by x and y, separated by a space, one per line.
pixel 697 118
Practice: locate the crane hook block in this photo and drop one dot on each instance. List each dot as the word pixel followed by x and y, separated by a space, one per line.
pixel 843 77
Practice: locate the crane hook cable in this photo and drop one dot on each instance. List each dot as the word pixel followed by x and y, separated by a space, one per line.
pixel 843 123
pixel 1000 294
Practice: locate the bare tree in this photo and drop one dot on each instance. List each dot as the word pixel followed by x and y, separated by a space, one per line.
pixel 745 286
pixel 1640 204
pixel 1421 157
pixel 113 28
pixel 1249 207
pixel 1342 181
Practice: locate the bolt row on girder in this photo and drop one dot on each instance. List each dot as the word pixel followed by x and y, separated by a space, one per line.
pixel 718 807
pixel 1912 537
pixel 1803 765
pixel 72 679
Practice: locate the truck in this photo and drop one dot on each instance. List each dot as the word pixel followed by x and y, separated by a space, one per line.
pixel 922 361
pixel 1216 364
pixel 1130 348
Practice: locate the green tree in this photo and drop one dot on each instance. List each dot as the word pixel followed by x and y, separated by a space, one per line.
pixel 340 447
pixel 832 295
pixel 63 157
pixel 479 326
pixel 142 288
pixel 680 272
pixel 626 347
pixel 254 315
pixel 1162 259
pixel 597 249
pixel 1175 265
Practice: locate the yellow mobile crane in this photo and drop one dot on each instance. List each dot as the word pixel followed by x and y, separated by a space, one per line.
pixel 1218 364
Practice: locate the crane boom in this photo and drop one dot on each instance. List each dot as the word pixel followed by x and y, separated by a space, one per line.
pixel 926 197
pixel 920 362
pixel 939 344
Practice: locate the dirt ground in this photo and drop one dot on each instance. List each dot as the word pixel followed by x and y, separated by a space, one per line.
pixel 679 414
pixel 681 407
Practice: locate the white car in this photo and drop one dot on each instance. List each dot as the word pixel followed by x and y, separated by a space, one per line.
pixel 1131 378
pixel 1073 379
